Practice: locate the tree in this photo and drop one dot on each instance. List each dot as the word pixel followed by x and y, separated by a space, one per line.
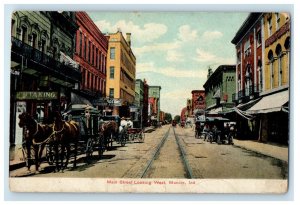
pixel 177 118
pixel 168 117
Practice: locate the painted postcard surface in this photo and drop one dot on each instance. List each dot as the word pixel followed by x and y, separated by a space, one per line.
pixel 149 102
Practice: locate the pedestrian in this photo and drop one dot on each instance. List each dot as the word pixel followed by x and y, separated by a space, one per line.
pixel 123 124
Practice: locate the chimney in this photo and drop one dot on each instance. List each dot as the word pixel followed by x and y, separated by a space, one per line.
pixel 128 39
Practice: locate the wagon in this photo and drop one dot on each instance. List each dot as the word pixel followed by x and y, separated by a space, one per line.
pixel 135 134
pixel 88 119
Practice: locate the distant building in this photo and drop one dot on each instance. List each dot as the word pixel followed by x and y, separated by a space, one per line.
pixel 141 89
pixel 121 68
pixel 184 114
pixel 219 88
pixel 154 101
pixel 198 101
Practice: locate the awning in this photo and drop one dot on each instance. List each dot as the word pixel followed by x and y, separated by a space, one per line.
pixel 270 103
pixel 215 110
pixel 77 99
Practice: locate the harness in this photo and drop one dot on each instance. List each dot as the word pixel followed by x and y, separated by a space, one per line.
pixel 54 132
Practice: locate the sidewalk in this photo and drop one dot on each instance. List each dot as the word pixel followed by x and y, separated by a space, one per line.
pixel 275 151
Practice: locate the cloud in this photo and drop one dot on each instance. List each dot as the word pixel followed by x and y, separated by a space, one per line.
pixel 203 56
pixel 156 47
pixel 211 35
pixel 187 34
pixel 146 33
pixel 170 71
pixel 174 56
pixel 207 57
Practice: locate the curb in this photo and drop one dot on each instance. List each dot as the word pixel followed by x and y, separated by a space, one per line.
pixel 256 151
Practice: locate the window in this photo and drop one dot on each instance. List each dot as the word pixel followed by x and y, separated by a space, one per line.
pixel 43 46
pixel 258 38
pixel 247 48
pixel 97 63
pixel 277 21
pixel 89 52
pixel 92 60
pixel 80 43
pixel 112 53
pixel 112 72
pixel 23 36
pixel 260 75
pixel 84 47
pixel 279 57
pixel 34 40
pixel 111 92
pixel 270 26
pixel 271 61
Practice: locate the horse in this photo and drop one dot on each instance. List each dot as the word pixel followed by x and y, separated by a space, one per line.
pixel 108 131
pixel 65 133
pixel 36 135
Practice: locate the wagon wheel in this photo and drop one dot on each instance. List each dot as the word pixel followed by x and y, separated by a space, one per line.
pixel 50 154
pixel 62 157
pixel 141 137
pixel 89 148
pixel 111 138
pixel 101 146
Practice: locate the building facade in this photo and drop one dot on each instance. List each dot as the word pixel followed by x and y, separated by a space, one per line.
pixel 145 104
pixel 91 54
pixel 249 67
pixel 263 112
pixel 121 66
pixel 43 73
pixel 154 101
pixel 219 88
pixel 198 101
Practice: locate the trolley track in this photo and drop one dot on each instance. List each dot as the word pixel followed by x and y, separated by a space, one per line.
pixel 169 148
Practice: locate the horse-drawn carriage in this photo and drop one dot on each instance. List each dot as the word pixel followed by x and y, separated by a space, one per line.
pixel 215 131
pixel 77 131
pixel 135 134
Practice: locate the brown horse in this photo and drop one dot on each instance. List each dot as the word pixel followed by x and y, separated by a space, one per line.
pixel 65 133
pixel 36 136
pixel 108 131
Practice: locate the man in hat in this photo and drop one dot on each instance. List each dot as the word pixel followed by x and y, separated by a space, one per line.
pixel 123 124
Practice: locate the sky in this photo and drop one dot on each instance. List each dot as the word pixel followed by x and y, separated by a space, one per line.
pixel 175 49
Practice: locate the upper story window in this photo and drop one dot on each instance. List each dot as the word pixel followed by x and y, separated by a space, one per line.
pixel 112 72
pixel 247 48
pixel 112 53
pixel 34 43
pixel 111 92
pixel 277 21
pixel 258 38
pixel 80 43
pixel 270 26
pixel 238 57
pixel 23 36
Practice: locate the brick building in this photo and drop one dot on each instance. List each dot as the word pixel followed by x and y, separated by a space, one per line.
pixel 91 54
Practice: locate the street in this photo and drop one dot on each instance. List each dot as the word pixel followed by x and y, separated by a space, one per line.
pixel 206 160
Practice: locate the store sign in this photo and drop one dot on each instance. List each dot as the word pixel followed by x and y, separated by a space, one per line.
pixel 36 95
pixel 107 102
